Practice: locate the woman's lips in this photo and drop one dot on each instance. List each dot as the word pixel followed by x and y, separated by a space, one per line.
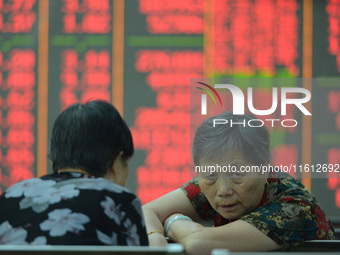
pixel 228 208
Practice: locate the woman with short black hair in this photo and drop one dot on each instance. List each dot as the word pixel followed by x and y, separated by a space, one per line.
pixel 84 202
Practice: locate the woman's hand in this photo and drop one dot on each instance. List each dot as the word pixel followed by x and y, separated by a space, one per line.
pixel 157 239
pixel 156 212
pixel 180 227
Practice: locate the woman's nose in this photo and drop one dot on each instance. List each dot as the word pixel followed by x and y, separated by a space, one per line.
pixel 225 187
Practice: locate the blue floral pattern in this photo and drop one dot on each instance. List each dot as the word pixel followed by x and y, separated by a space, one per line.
pixel 70 209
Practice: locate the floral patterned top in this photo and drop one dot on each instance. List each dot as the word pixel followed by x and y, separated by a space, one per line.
pixel 288 213
pixel 70 209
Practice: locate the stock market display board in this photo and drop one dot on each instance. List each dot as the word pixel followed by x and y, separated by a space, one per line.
pixel 141 55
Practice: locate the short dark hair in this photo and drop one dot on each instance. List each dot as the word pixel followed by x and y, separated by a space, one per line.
pixel 215 142
pixel 89 136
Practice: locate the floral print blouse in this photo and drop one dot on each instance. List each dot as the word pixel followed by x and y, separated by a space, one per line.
pixel 288 213
pixel 70 209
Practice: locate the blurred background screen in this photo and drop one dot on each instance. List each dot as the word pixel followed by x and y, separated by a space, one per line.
pixel 141 54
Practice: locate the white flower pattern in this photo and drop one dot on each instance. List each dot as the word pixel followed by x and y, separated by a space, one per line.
pixel 112 210
pixel 51 195
pixel 133 237
pixel 67 208
pixel 40 240
pixel 28 188
pixel 10 235
pixel 110 240
pixel 62 220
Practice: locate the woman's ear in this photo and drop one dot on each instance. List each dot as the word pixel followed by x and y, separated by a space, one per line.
pixel 117 163
pixel 111 173
pixel 119 171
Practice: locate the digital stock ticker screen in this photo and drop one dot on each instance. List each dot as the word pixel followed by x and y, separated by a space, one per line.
pixel 141 54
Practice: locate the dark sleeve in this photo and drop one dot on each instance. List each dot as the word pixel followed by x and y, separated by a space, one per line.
pixel 123 219
pixel 198 199
pixel 135 214
pixel 288 223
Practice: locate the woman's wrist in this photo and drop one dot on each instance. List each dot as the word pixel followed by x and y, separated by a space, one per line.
pixel 155 232
pixel 157 238
pixel 173 219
